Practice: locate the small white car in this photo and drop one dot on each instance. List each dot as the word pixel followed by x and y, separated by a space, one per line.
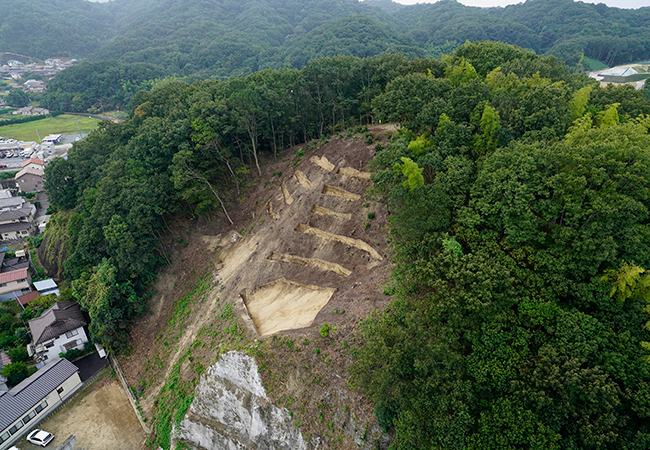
pixel 40 437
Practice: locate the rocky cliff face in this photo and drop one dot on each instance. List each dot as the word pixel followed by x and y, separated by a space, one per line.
pixel 231 411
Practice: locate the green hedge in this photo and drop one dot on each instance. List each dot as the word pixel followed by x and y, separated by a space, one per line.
pixel 23 119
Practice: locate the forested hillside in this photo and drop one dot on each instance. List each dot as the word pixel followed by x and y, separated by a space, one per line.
pixel 46 28
pixel 221 38
pixel 518 200
pixel 520 220
pixel 218 39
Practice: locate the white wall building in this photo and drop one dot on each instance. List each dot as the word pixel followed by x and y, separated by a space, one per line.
pixel 24 406
pixel 59 330
pixel 47 287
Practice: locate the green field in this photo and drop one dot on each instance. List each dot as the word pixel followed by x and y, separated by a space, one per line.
pixel 63 124
pixel 593 64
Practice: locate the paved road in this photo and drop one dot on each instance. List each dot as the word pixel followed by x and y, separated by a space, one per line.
pixel 89 365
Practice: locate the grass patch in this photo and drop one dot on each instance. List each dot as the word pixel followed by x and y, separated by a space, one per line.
pixel 593 64
pixel 63 124
pixel 172 403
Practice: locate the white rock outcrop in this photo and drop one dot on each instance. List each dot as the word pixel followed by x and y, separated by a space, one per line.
pixel 231 411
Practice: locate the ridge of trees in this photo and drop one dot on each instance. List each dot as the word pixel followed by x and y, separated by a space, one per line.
pixel 518 199
pixel 223 38
pixel 220 39
pixel 520 320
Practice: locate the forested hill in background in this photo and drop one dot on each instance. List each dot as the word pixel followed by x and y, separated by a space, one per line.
pixel 223 38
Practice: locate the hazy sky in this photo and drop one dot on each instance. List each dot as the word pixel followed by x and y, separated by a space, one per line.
pixel 616 3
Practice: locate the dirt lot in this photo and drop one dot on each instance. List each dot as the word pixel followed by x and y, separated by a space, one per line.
pixel 101 418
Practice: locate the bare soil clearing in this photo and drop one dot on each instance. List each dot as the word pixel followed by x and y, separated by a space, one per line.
pixel 101 418
pixel 358 243
pixel 323 163
pixel 328 212
pixel 312 262
pixel 284 304
pixel 302 179
pixel 288 199
pixel 352 172
pixel 341 193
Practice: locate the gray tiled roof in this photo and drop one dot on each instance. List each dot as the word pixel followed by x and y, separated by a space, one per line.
pixel 16 214
pixel 16 226
pixel 29 393
pixel 11 202
pixel 56 320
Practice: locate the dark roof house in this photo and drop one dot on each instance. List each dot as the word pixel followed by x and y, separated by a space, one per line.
pixel 57 320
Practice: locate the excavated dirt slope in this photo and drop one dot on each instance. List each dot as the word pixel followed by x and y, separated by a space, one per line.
pixel 301 252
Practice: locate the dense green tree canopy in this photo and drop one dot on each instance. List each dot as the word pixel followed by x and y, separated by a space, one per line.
pixel 509 331
pixel 17 98
pixel 223 38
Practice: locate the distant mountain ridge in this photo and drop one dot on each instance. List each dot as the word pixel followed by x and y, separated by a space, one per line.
pixel 222 38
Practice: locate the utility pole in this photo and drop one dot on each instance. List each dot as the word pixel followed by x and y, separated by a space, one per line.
pixel 79 129
pixel 39 136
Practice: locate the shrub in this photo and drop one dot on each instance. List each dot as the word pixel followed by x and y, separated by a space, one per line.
pixel 371 215
pixel 71 355
pixel 385 413
pixel 15 373
pixel 324 330
pixel 18 354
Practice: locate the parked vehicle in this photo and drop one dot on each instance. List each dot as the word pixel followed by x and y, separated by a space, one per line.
pixel 40 437
pixel 3 166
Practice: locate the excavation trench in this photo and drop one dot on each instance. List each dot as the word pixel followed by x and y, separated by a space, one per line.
pixel 272 213
pixel 342 193
pixel 328 212
pixel 352 172
pixel 323 163
pixel 288 199
pixel 311 262
pixel 357 243
pixel 302 179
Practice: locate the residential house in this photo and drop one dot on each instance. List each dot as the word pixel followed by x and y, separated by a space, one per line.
pixel 24 406
pixel 11 203
pixel 47 287
pixel 17 223
pixel 41 222
pixel 20 261
pixel 9 184
pixel 26 298
pixel 59 329
pixel 14 283
pixel 31 111
pixel 29 180
pixel 34 163
pixel 34 86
